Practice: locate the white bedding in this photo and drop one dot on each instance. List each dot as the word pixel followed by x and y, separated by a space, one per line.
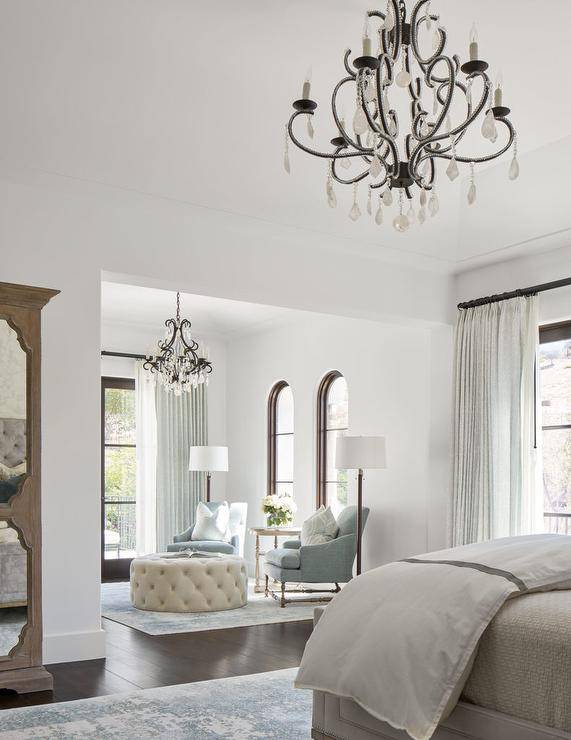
pixel 399 639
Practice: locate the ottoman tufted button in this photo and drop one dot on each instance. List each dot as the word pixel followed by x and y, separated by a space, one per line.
pixel 162 573
pixel 152 586
pixel 172 588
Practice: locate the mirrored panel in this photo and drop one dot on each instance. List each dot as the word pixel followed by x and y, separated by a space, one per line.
pixel 13 465
pixel 13 587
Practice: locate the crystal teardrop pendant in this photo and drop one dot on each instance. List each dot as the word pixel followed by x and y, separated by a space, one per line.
pixel 513 173
pixel 452 170
pixel 424 129
pixel 393 127
pixel 489 126
pixel 422 215
pixel 403 79
pixel 360 124
pixel 370 140
pixel 369 204
pixel 472 193
pixel 286 162
pixel 433 204
pixel 370 92
pixel 379 215
pixel 355 212
pixel 310 129
pixel 385 101
pixel 376 168
pixel 331 197
pixel 387 197
pixel 401 223
pixel 345 162
pixel 389 23
pixel 423 197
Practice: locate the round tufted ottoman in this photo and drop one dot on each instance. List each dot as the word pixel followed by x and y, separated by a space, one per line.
pixel 162 584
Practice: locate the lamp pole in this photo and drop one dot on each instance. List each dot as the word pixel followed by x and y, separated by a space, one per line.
pixel 208 476
pixel 359 519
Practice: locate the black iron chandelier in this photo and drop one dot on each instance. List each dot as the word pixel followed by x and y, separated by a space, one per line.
pixel 405 166
pixel 179 366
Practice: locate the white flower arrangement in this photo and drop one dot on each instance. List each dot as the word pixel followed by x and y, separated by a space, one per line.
pixel 279 508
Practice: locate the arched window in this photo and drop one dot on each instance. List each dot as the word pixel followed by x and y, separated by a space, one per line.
pixel 280 439
pixel 332 420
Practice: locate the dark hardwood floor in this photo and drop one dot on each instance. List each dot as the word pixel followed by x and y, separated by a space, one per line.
pixel 139 661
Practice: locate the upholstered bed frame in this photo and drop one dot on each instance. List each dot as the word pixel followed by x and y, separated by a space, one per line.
pixel 13 579
pixel 337 718
pixel 12 453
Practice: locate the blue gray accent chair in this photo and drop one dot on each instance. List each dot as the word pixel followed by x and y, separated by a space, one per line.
pixel 331 562
pixel 238 512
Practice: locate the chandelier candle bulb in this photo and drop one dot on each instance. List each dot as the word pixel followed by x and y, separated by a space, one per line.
pixel 306 90
pixel 473 43
pixel 367 47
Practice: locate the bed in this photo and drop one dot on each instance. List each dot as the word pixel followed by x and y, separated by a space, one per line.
pixel 516 685
pixel 519 687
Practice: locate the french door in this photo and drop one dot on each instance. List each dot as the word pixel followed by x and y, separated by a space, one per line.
pixel 118 477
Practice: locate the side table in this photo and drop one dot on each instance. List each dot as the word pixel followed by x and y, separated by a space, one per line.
pixel 274 532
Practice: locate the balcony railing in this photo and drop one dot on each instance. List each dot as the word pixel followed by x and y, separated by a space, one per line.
pixel 556 522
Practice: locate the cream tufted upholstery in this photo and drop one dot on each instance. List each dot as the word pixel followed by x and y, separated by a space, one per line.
pixel 12 442
pixel 188 584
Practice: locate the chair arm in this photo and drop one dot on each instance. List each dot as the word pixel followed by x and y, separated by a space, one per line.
pixel 330 562
pixel 292 544
pixel 235 542
pixel 185 536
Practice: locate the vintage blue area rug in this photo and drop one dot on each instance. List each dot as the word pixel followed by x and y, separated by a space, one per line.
pixel 264 706
pixel 116 605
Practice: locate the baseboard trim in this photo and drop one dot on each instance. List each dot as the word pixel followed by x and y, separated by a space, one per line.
pixel 73 646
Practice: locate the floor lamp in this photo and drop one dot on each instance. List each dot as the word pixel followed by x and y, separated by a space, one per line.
pixel 360 453
pixel 208 459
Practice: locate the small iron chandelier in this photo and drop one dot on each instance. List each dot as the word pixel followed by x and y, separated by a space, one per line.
pixel 407 164
pixel 179 366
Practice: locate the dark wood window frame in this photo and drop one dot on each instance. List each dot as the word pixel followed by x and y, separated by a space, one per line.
pixel 555 333
pixel 273 434
pixel 321 441
pixel 111 568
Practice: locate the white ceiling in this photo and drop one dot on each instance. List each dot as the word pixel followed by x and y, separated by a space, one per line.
pixel 148 308
pixel 188 101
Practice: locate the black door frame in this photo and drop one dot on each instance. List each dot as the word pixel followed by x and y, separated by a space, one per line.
pixel 111 568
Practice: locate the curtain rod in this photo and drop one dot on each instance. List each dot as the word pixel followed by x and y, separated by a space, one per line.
pixel 105 353
pixel 516 293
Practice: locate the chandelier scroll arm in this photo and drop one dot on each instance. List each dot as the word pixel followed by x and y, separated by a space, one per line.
pixel 346 64
pixel 488 157
pixel 355 144
pixel 314 152
pixel 415 23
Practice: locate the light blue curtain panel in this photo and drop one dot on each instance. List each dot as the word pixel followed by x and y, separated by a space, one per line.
pixel 182 421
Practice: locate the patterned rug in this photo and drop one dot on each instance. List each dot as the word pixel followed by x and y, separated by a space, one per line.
pixel 116 605
pixel 264 706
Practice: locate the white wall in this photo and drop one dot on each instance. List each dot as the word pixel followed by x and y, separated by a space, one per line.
pixel 57 234
pixel 390 371
pixel 136 339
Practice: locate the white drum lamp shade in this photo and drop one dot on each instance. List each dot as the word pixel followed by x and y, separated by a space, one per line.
pixel 208 458
pixel 360 453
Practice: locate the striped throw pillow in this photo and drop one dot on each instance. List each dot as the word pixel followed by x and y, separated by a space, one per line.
pixel 319 528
